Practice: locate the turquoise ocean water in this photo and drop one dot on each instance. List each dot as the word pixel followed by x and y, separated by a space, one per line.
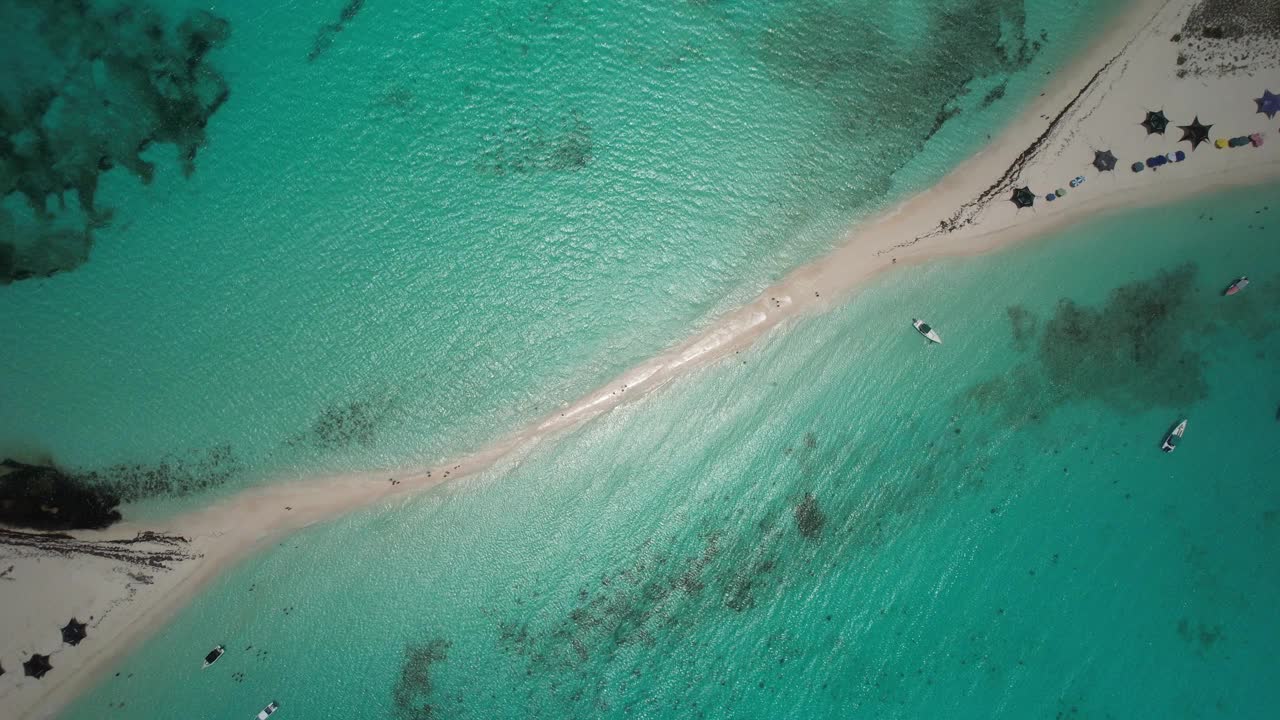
pixel 841 522
pixel 410 235
pixel 413 227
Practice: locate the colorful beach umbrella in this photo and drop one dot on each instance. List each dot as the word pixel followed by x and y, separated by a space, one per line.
pixel 1023 197
pixel 1104 160
pixel 37 666
pixel 1155 123
pixel 74 632
pixel 1195 133
pixel 1268 104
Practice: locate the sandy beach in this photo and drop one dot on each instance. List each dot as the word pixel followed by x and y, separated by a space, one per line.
pixel 128 581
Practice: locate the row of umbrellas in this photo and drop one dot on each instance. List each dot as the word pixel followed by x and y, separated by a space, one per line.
pixel 1103 160
pixel 1195 133
pixel 37 665
pixel 1156 123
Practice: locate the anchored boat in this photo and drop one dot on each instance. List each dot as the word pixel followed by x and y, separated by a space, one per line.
pixel 1171 440
pixel 926 331
pixel 269 710
pixel 1241 283
pixel 213 656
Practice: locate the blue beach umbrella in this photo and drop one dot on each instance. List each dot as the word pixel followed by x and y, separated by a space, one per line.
pixel 1268 104
pixel 1137 167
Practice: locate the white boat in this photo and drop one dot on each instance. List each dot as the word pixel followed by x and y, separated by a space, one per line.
pixel 269 710
pixel 1171 440
pixel 213 656
pixel 926 331
pixel 1241 283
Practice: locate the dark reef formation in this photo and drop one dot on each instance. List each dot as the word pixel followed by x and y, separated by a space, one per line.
pixel 809 517
pixel 1226 37
pixel 329 31
pixel 845 57
pixel 411 696
pixel 347 423
pixel 1129 353
pixel 520 148
pixel 124 82
pixel 170 476
pixel 44 497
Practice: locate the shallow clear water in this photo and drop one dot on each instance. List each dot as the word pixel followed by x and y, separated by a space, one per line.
pixel 406 237
pixel 841 522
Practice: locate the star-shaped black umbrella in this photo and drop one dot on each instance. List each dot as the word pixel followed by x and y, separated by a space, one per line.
pixel 1268 104
pixel 37 666
pixel 1023 197
pixel 1104 160
pixel 74 632
pixel 1195 133
pixel 1155 123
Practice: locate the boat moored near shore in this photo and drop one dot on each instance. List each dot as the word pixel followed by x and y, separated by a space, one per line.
pixel 926 330
pixel 1171 440
pixel 213 656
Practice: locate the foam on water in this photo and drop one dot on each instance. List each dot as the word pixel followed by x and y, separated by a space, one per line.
pixel 842 522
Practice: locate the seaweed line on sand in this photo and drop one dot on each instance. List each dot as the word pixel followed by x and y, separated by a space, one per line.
pixel 166 550
pixel 967 213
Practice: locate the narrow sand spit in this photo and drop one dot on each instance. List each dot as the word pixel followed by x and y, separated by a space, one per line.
pixel 1094 104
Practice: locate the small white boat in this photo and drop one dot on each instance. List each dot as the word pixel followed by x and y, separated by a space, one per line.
pixel 213 656
pixel 926 331
pixel 269 710
pixel 1171 440
pixel 1241 283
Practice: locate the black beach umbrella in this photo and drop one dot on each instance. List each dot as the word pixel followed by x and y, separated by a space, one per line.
pixel 1268 104
pixel 1023 197
pixel 37 666
pixel 1104 160
pixel 73 633
pixel 1 669
pixel 1156 122
pixel 1195 133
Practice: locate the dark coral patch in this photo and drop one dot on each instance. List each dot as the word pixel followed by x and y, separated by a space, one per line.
pixel 1129 353
pixel 38 497
pixel 45 497
pixel 345 424
pixel 329 31
pixel 844 56
pixel 412 696
pixel 521 148
pixel 126 82
pixel 809 517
